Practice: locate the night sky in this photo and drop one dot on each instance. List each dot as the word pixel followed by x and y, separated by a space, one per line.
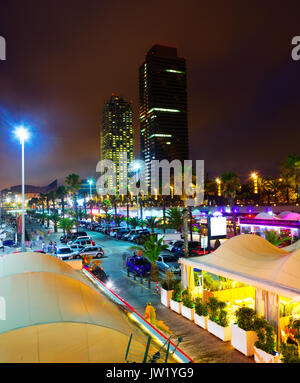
pixel 65 58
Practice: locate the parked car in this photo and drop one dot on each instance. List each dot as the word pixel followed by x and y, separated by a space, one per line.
pixel 138 233
pixel 94 251
pixel 131 232
pixel 76 247
pixel 114 230
pixel 177 245
pixel 83 241
pixel 65 253
pixel 72 236
pixel 194 250
pixel 167 262
pixel 122 232
pixel 140 238
pixel 139 265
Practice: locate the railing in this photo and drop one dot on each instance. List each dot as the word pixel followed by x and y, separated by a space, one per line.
pixel 176 352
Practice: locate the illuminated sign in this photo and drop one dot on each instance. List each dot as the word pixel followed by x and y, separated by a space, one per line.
pixel 218 226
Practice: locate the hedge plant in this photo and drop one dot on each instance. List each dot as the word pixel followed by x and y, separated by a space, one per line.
pixel 217 312
pixel 245 318
pixel 176 295
pixel 200 308
pixel 187 299
pixel 265 333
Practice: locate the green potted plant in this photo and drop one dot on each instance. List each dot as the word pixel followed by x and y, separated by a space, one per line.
pixel 167 288
pixel 201 313
pixel 176 301
pixel 188 305
pixel 243 335
pixel 217 322
pixel 264 347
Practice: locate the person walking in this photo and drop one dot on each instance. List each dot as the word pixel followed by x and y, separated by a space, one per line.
pixel 44 247
pixel 124 259
pixel 50 247
pixel 55 248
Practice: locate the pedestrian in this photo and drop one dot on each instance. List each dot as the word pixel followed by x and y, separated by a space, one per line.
pixel 54 247
pixel 50 247
pixel 93 243
pixel 44 247
pixel 124 259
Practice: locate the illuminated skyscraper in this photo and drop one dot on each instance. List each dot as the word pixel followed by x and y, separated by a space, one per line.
pixel 117 134
pixel 163 106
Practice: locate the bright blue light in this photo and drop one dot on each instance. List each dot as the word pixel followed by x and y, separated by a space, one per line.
pixel 22 133
pixel 90 181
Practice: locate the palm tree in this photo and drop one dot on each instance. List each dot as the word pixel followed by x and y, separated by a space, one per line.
pixel 55 219
pixel 291 173
pixel 85 195
pixel 118 219
pixel 52 197
pixel 152 223
pixel 61 193
pixel 152 249
pixel 73 183
pixel 175 219
pixel 134 222
pixel 48 209
pixel 231 186
pixel 274 238
pixel 66 224
pixel 106 206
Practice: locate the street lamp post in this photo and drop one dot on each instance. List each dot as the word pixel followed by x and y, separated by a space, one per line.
pixel 23 135
pixel 136 167
pixel 90 182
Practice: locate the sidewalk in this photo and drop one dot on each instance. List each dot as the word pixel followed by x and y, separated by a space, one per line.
pixel 199 344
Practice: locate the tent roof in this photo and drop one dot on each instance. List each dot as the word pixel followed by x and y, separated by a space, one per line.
pixel 264 215
pixel 292 217
pixel 253 260
pixel 283 213
pixel 51 312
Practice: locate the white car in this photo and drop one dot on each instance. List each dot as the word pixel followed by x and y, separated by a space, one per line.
pixel 114 230
pixel 94 251
pixel 65 253
pixel 83 241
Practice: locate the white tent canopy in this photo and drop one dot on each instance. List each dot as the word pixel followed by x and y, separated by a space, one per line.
pixel 251 259
pixel 53 316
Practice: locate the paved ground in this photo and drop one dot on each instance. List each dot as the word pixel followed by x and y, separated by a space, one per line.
pixel 199 344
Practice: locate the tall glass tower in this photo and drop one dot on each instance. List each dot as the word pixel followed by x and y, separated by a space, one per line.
pixel 163 106
pixel 117 134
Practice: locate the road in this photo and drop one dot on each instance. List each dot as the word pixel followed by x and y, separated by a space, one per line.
pixel 199 344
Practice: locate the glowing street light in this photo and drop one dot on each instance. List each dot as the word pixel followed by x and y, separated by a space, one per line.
pixel 90 182
pixel 137 166
pixel 218 181
pixel 254 176
pixel 23 135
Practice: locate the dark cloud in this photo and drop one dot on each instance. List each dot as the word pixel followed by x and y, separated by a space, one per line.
pixel 65 58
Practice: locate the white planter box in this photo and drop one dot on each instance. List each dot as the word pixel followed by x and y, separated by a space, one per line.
pixel 175 306
pixel 223 333
pixel 187 312
pixel 165 297
pixel 201 321
pixel 261 356
pixel 242 340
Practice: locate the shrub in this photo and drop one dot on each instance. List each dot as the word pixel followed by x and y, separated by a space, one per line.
pixel 200 308
pixel 187 299
pixel 289 353
pixel 217 312
pixel 265 334
pixel 245 318
pixel 176 295
pixel 169 283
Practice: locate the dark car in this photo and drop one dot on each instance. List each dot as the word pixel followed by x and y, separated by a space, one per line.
pixel 177 246
pixel 121 232
pixel 72 236
pixel 138 265
pixel 194 250
pixel 142 237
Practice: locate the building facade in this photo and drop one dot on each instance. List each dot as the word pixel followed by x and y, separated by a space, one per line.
pixel 117 135
pixel 163 106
